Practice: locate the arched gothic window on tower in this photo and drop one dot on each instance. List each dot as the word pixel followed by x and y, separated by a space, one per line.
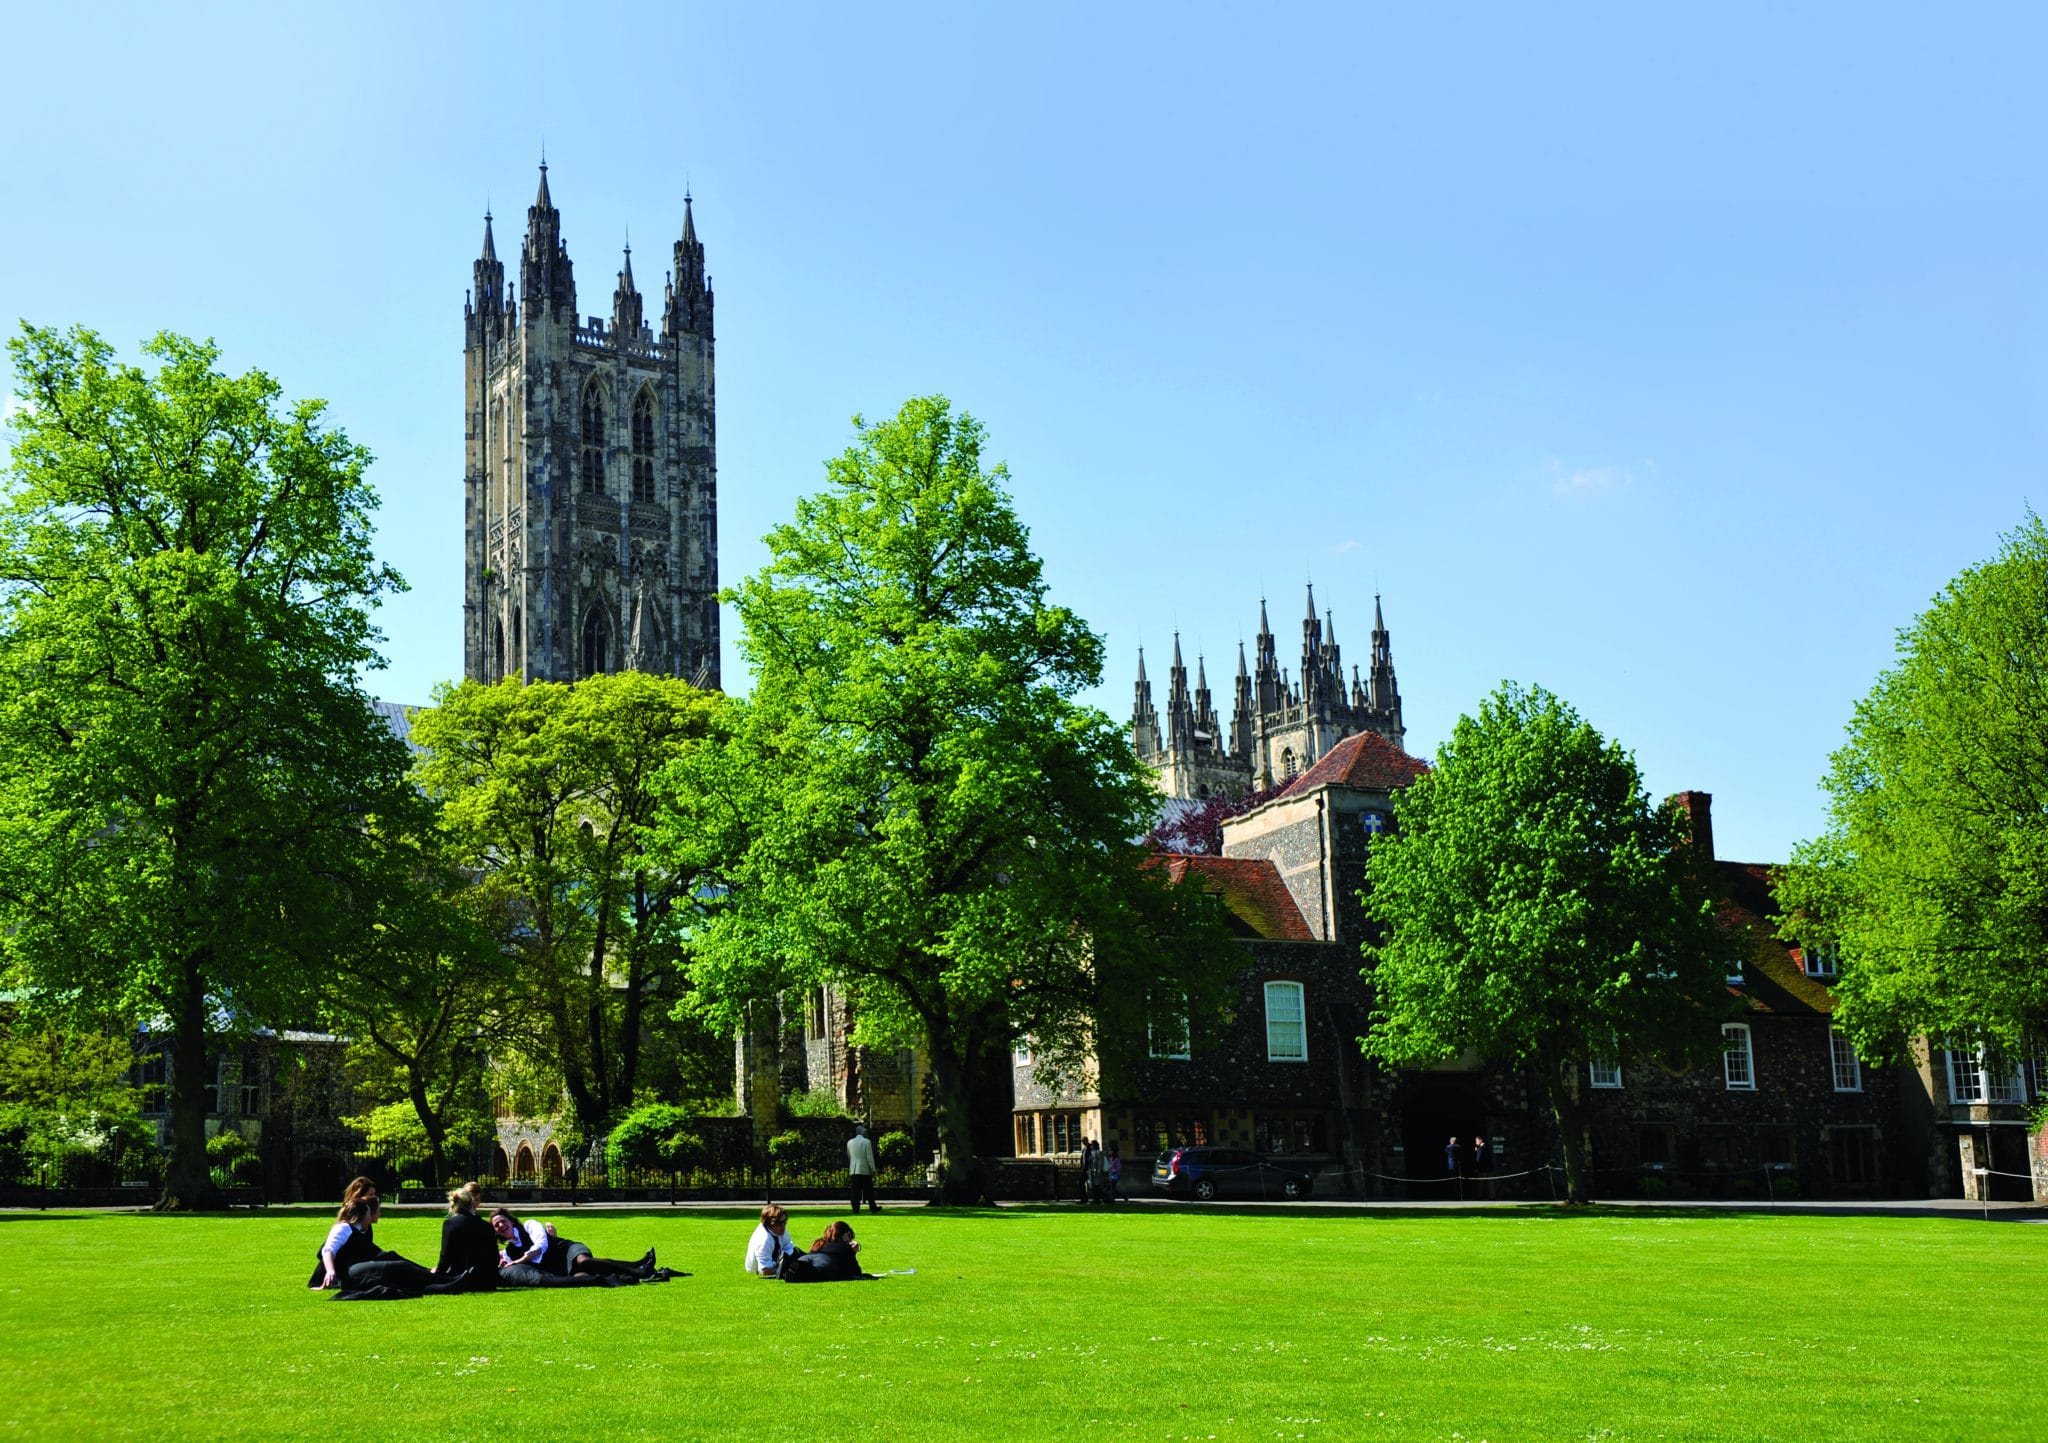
pixel 643 447
pixel 1287 762
pixel 593 441
pixel 514 661
pixel 597 643
pixel 496 666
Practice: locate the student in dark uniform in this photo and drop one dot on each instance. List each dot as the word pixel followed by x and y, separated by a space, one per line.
pixel 832 1259
pixel 469 1249
pixel 351 1240
pixel 534 1245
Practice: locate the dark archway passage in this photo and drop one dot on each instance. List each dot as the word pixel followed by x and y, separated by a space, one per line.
pixel 1434 1108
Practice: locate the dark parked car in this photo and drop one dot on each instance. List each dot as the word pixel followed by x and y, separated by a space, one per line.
pixel 1208 1173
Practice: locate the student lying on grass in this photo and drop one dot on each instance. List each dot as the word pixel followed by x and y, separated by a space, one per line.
pixel 830 1260
pixel 535 1257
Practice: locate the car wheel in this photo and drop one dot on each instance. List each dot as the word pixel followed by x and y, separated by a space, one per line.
pixel 1294 1189
pixel 1205 1190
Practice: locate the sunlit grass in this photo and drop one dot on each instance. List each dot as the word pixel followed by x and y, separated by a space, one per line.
pixel 1055 1323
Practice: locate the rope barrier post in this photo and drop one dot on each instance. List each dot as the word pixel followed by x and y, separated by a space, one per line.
pixel 1769 1191
pixel 1984 1190
pixel 1550 1176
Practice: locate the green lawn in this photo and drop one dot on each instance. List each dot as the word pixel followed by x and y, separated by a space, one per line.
pixel 1055 1324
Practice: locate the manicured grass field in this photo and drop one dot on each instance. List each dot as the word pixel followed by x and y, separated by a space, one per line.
pixel 1055 1323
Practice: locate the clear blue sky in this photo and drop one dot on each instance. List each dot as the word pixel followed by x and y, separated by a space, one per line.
pixel 1670 364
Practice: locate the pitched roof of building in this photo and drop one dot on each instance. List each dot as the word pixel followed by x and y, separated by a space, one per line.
pixel 1251 890
pixel 1774 977
pixel 1367 761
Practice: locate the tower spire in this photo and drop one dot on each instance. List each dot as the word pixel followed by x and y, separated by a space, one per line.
pixel 688 306
pixel 545 274
pixel 1144 716
pixel 484 317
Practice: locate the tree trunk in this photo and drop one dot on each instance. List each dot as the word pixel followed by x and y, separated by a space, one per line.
pixel 1571 1132
pixel 188 1182
pixel 437 1133
pixel 961 1179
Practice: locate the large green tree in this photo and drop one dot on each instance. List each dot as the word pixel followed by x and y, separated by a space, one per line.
pixel 914 808
pixel 548 794
pixel 1932 875
pixel 426 995
pixel 1537 908
pixel 191 776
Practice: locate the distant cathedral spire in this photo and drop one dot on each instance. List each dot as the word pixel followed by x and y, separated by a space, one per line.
pixel 1281 722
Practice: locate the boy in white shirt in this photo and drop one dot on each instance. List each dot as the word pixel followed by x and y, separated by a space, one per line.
pixel 770 1243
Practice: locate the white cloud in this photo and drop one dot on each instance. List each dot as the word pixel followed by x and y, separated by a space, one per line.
pixel 1348 544
pixel 1586 480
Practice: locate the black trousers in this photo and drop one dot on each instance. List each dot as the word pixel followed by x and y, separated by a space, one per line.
pixel 862 1185
pixel 526 1275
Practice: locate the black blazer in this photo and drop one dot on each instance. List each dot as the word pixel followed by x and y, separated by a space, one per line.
pixel 359 1248
pixel 468 1246
pixel 833 1263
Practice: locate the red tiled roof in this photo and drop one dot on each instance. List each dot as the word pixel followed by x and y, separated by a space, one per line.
pixel 1367 761
pixel 1250 887
pixel 1775 981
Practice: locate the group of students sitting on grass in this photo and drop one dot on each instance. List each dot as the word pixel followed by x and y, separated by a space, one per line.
pixel 480 1256
pixel 533 1256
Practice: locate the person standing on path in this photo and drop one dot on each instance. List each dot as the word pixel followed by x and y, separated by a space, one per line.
pixel 860 1169
pixel 1451 1157
pixel 1112 1174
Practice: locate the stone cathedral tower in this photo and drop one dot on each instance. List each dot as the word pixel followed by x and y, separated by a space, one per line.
pixel 590 476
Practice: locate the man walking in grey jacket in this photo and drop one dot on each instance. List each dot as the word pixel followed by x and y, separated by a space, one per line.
pixel 860 1169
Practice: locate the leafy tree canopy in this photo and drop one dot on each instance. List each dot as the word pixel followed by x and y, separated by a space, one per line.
pixel 190 774
pixel 63 1090
pixel 914 808
pixel 1539 910
pixel 1932 875
pixel 548 795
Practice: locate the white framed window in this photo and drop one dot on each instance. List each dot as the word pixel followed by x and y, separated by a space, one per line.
pixel 1166 1025
pixel 1286 1023
pixel 1735 972
pixel 1977 1074
pixel 1738 1059
pixel 1604 1072
pixel 1021 1053
pixel 1965 1076
pixel 1822 961
pixel 1848 1067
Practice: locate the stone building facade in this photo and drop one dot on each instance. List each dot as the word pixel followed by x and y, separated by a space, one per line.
pixel 1787 1109
pixel 798 1042
pixel 590 468
pixel 1280 725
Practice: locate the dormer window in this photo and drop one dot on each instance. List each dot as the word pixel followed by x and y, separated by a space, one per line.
pixel 1821 961
pixel 1735 972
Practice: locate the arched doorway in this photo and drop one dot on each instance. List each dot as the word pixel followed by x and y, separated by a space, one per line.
pixel 1435 1107
pixel 551 1163
pixel 501 1167
pixel 522 1162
